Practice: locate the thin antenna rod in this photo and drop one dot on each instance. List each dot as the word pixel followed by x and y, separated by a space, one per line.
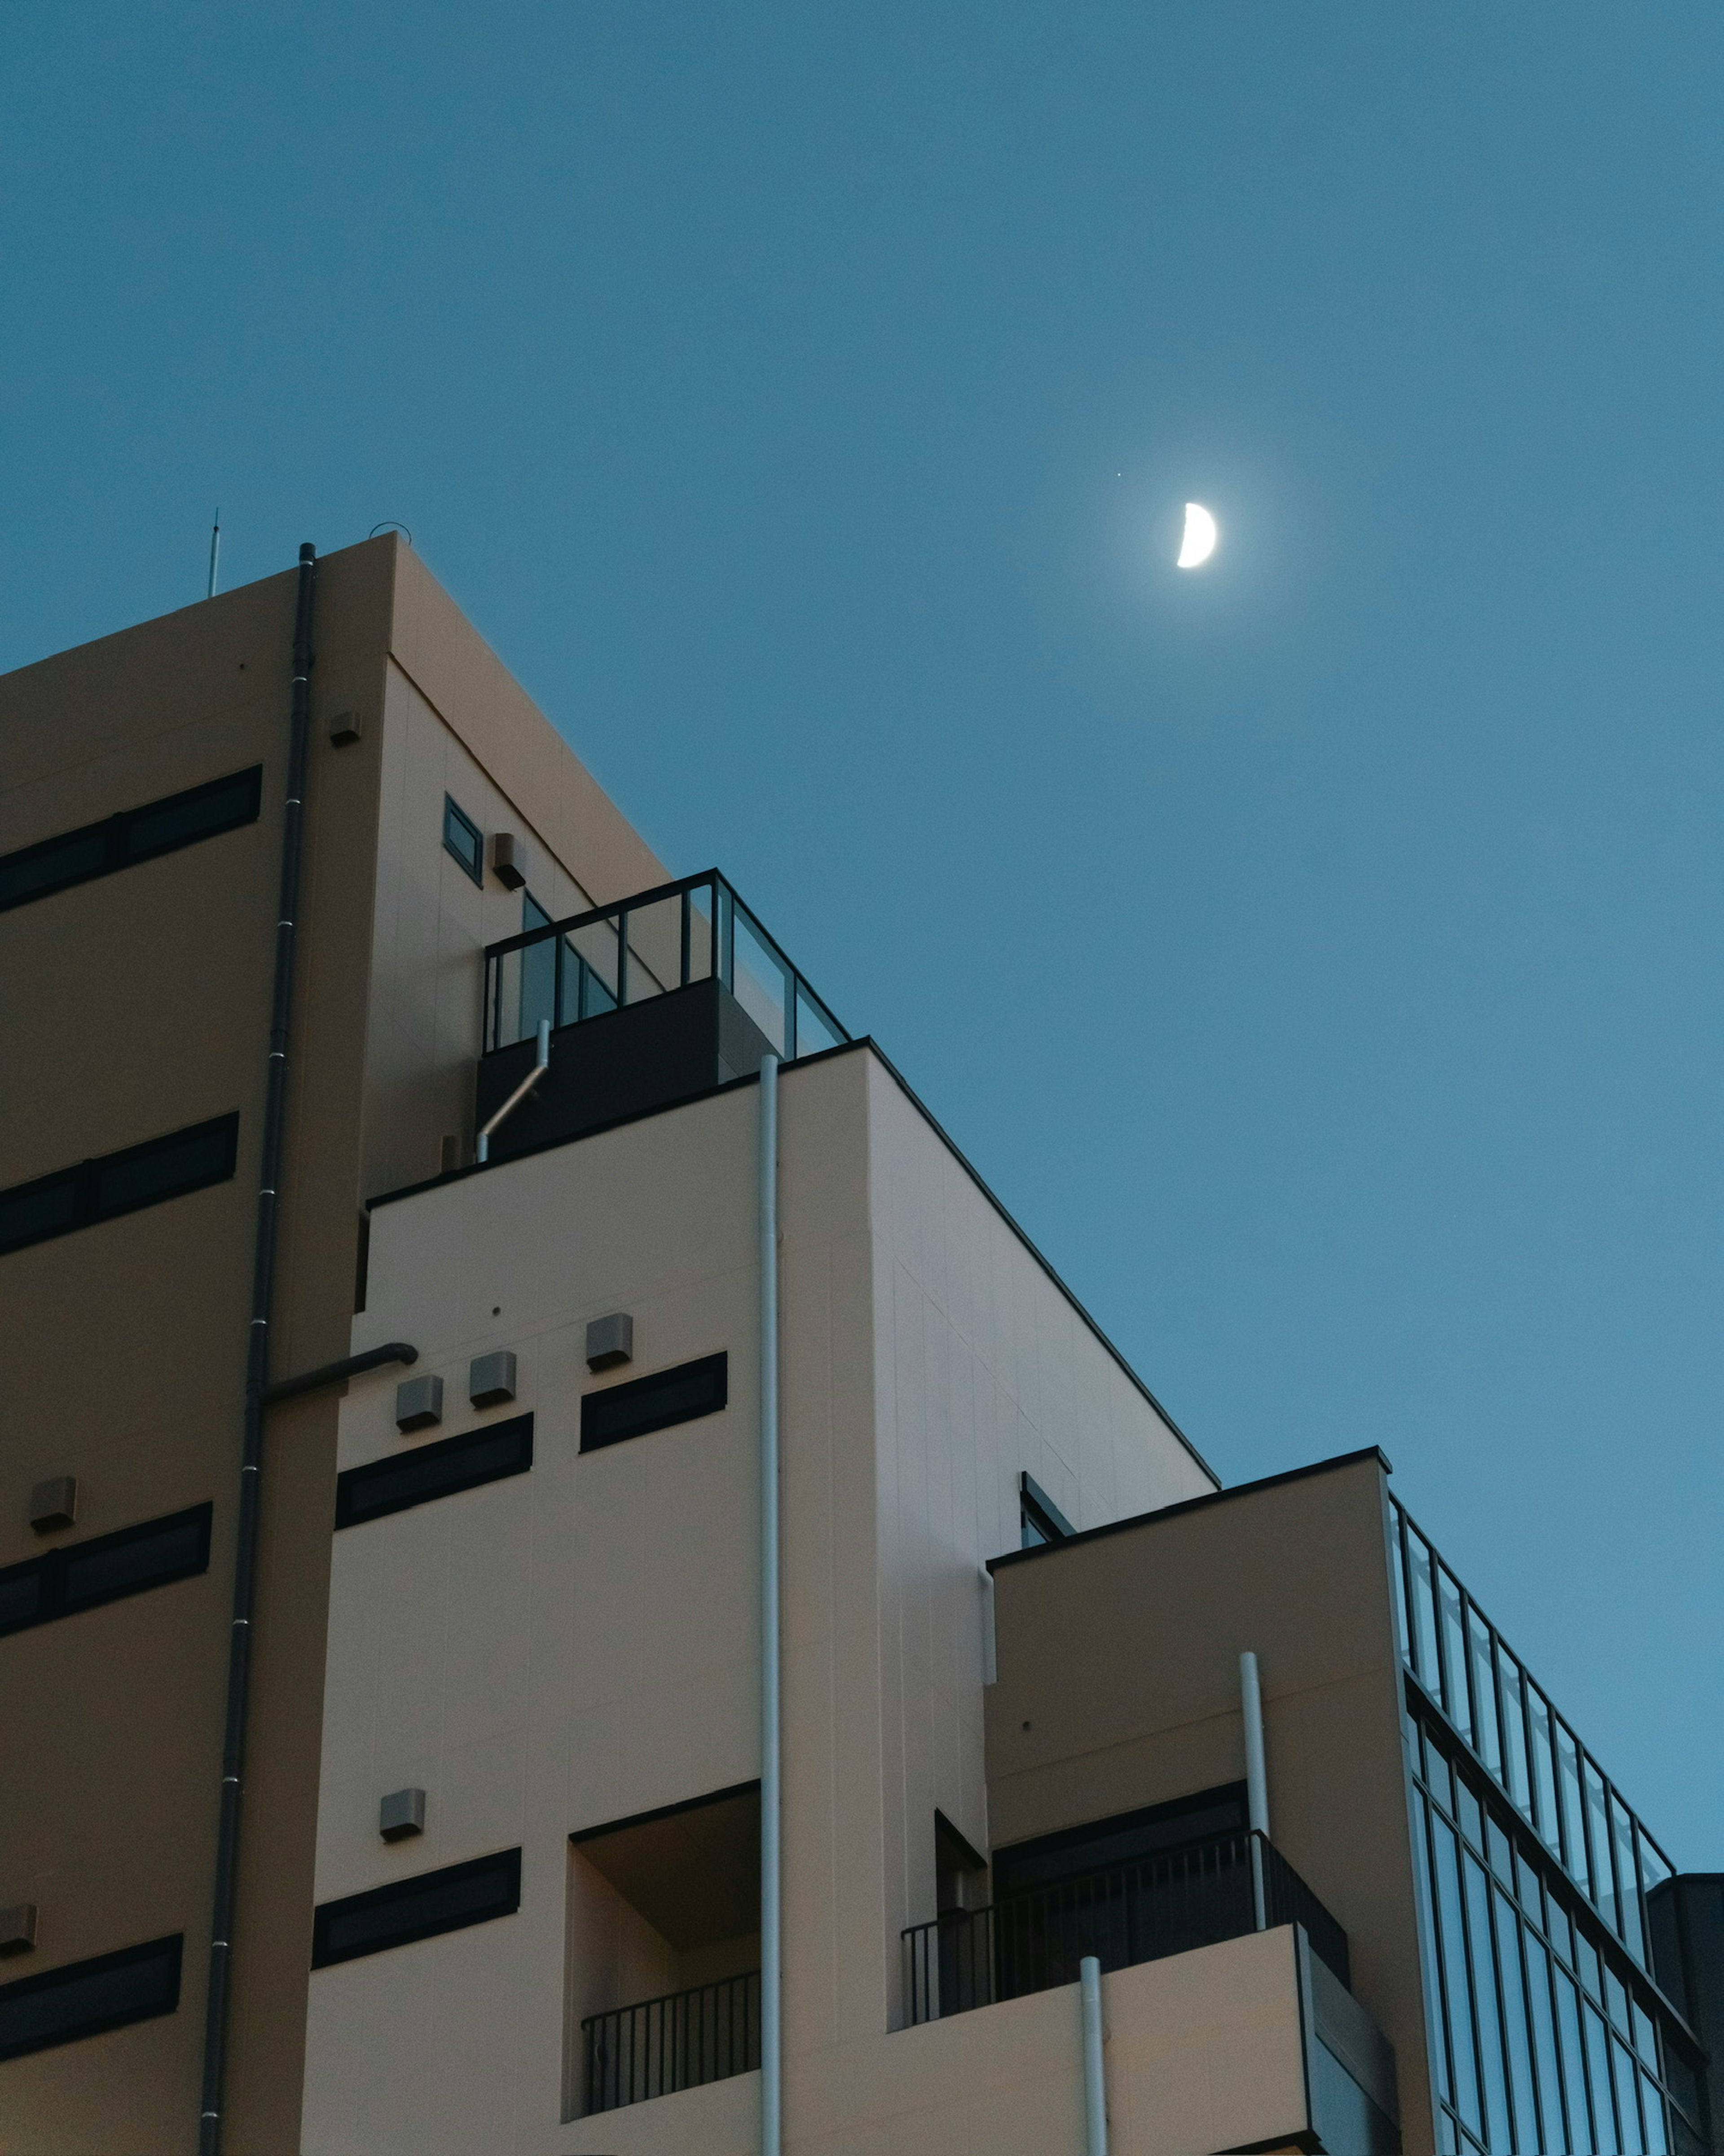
pixel 215 552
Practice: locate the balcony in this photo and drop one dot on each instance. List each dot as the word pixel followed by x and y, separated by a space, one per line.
pixel 654 1000
pixel 1222 1888
pixel 663 2044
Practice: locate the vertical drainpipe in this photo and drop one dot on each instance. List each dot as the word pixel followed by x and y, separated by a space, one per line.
pixel 263 1281
pixel 1095 2077
pixel 1256 1776
pixel 771 2067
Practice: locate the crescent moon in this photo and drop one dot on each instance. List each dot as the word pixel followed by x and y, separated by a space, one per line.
pixel 1201 534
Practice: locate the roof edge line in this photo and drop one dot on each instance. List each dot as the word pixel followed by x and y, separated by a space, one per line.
pixel 1195 1504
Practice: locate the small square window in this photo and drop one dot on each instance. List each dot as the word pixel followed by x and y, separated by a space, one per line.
pixel 463 838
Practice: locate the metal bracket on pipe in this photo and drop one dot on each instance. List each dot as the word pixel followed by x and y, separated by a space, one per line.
pixel 482 1147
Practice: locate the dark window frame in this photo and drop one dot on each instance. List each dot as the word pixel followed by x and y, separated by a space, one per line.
pixel 456 818
pixel 505 1864
pixel 167 1951
pixel 88 1209
pixel 111 845
pixel 492 1437
pixel 609 1405
pixel 1037 1515
pixel 51 1569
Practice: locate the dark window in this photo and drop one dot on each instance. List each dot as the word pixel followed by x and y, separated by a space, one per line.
pixel 1127 1838
pixel 409 1909
pixel 1040 1519
pixel 689 1391
pixel 434 1470
pixel 135 834
pixel 86 1997
pixel 118 1183
pixel 84 1574
pixel 462 837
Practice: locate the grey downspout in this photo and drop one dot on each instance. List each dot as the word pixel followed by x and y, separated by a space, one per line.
pixel 263 1281
pixel 1094 2074
pixel 1256 1779
pixel 771 2033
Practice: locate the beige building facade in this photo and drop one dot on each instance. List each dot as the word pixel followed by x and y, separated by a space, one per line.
pixel 499 1858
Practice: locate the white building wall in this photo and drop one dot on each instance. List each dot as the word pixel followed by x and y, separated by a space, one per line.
pixel 984 1369
pixel 579 1644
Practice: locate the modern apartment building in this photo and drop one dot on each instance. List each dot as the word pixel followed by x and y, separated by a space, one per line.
pixel 572 1585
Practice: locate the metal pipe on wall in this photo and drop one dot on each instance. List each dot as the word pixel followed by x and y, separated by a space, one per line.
pixel 1094 2077
pixel 1256 1781
pixel 216 2011
pixel 482 1143
pixel 772 2049
pixel 1256 1776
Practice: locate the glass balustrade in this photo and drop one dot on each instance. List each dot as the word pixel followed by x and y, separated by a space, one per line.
pixel 659 940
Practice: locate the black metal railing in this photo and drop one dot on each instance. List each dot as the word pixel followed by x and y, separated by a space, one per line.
pixel 668 937
pixel 1167 1904
pixel 681 2041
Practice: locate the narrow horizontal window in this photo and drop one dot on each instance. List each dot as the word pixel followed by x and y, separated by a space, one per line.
pixel 83 1575
pixel 462 837
pixel 117 1183
pixel 87 1997
pixel 690 1390
pixel 452 1464
pixel 135 834
pixel 409 1909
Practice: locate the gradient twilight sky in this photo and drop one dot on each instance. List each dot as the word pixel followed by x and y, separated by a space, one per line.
pixel 1320 952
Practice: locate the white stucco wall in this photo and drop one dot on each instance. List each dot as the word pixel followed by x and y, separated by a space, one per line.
pixel 579 1644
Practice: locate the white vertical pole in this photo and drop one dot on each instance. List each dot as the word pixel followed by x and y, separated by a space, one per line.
pixel 1256 1775
pixel 1094 2079
pixel 771 2067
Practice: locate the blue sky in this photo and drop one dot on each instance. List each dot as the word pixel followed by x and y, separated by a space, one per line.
pixel 1320 953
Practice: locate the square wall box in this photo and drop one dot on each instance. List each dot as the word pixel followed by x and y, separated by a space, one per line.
pixel 18 1928
pixel 419 1404
pixel 401 1813
pixel 610 1341
pixel 490 1378
pixel 508 860
pixel 54 1504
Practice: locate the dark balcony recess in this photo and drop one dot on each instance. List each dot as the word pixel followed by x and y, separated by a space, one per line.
pixel 1196 1896
pixel 655 1000
pixel 682 2041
